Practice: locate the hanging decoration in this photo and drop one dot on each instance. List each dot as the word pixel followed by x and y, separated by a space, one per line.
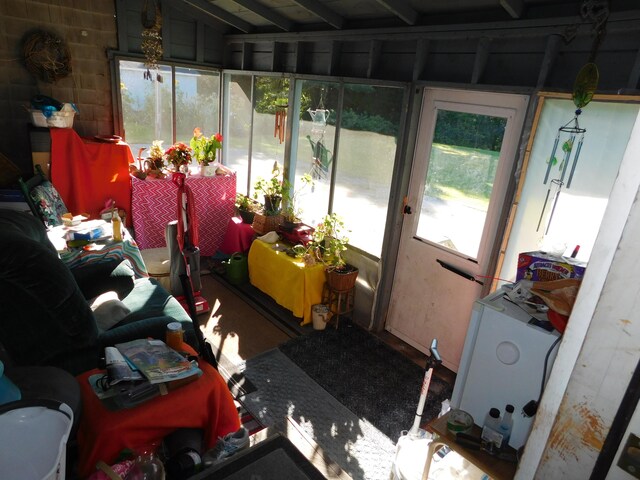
pixel 321 157
pixel 280 122
pixel 46 56
pixel 152 38
pixel 584 87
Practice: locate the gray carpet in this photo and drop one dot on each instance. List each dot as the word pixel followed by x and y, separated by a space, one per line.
pixel 283 389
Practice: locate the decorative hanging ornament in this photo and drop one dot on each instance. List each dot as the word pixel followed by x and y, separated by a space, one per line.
pixel 152 38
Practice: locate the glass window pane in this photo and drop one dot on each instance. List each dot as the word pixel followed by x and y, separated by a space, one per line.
pixel 238 134
pixel 368 141
pixel 314 148
pixel 197 102
pixel 272 95
pixel 462 168
pixel 146 106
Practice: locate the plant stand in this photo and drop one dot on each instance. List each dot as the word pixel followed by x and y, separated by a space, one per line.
pixel 340 302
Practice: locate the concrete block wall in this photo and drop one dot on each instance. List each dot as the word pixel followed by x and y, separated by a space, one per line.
pixel 89 28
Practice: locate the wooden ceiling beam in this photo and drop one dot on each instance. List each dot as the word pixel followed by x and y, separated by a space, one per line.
pixel 513 7
pixel 402 9
pixel 266 13
pixel 321 11
pixel 205 12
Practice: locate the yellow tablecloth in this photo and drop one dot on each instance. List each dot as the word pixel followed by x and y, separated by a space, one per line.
pixel 286 279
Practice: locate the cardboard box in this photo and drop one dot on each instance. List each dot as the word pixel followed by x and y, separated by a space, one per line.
pixel 545 267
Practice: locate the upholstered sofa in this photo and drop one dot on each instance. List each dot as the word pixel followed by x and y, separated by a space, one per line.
pixel 45 316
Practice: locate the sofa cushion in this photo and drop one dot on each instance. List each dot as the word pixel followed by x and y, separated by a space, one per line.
pixel 108 310
pixel 44 314
pixel 48 203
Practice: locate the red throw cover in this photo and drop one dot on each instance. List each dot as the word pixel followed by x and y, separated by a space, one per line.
pixel 87 173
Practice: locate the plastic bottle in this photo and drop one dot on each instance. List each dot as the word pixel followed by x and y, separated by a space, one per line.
pixel 491 428
pixel 116 224
pixel 506 425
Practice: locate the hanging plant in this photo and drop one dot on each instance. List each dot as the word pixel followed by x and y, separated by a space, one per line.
pixel 152 38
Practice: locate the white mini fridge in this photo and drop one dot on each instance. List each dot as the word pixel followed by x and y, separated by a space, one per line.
pixel 503 361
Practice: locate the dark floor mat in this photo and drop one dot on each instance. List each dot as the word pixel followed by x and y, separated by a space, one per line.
pixel 368 377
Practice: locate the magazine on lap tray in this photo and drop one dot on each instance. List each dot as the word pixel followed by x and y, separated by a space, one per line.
pixel 156 361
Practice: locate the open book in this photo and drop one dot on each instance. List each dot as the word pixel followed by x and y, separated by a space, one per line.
pixel 157 362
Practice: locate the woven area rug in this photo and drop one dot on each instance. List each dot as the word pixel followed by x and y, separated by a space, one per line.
pixel 372 380
pixel 283 389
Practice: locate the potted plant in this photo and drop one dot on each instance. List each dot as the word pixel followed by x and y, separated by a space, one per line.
pixel 205 150
pixel 272 189
pixel 247 208
pixel 179 156
pixel 291 210
pixel 329 243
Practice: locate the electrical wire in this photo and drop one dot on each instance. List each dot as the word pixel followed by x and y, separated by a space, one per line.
pixel 546 361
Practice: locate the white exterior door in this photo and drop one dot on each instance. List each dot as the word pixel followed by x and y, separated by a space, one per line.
pixel 467 143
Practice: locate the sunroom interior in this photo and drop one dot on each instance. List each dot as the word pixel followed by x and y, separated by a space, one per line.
pixel 428 127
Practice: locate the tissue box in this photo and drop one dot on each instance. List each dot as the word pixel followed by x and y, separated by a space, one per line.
pixel 541 266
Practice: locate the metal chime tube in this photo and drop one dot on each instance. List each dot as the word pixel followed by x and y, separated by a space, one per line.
pixel 550 162
pixel 567 156
pixel 575 160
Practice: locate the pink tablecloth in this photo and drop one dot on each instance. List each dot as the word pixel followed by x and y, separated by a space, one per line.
pixel 238 237
pixel 154 204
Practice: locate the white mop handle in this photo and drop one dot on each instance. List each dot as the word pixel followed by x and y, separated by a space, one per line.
pixel 423 398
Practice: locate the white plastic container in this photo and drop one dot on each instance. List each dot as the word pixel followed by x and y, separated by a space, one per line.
pixel 61 119
pixel 34 439
pixel 38 118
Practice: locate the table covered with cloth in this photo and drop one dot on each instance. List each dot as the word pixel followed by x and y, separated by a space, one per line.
pixel 286 279
pixel 155 203
pixel 205 403
pixel 87 173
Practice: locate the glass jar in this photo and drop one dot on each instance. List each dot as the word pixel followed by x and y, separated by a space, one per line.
pixel 174 335
pixel 147 466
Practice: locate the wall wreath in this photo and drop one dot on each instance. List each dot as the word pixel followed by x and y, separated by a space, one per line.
pixel 46 56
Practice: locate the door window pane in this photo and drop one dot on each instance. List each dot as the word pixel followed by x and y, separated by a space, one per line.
pixel 462 168
pixel 368 141
pixel 146 106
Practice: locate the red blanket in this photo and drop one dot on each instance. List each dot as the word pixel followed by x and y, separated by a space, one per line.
pixel 87 173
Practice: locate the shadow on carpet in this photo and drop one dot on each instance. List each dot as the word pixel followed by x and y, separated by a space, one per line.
pixel 368 377
pixel 283 389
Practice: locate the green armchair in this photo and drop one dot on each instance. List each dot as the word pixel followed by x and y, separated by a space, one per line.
pixel 45 315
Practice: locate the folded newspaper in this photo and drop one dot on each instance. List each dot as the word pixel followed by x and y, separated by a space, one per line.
pixel 157 362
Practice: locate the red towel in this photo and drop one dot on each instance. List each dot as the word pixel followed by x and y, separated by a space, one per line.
pixel 87 173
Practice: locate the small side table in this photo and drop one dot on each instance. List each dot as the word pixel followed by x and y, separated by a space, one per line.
pixel 340 302
pixel 496 468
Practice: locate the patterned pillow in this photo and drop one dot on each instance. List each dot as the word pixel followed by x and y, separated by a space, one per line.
pixel 48 202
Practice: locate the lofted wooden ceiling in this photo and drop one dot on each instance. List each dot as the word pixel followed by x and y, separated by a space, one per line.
pixel 268 16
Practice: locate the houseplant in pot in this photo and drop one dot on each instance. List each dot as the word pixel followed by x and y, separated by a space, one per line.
pixel 329 243
pixel 272 189
pixel 247 208
pixel 205 150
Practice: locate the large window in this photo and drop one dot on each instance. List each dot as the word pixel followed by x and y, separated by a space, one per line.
pixel 148 109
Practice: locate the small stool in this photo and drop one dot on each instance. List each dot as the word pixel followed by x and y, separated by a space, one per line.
pixel 340 302
pixel 158 263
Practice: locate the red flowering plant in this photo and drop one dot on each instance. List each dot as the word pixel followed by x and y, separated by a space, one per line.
pixel 178 154
pixel 205 149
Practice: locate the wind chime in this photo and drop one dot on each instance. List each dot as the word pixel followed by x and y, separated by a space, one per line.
pixel 152 38
pixel 321 157
pixel 584 87
pixel 281 122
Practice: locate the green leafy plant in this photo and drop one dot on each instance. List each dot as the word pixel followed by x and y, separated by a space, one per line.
pixel 330 241
pixel 205 149
pixel 292 210
pixel 273 186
